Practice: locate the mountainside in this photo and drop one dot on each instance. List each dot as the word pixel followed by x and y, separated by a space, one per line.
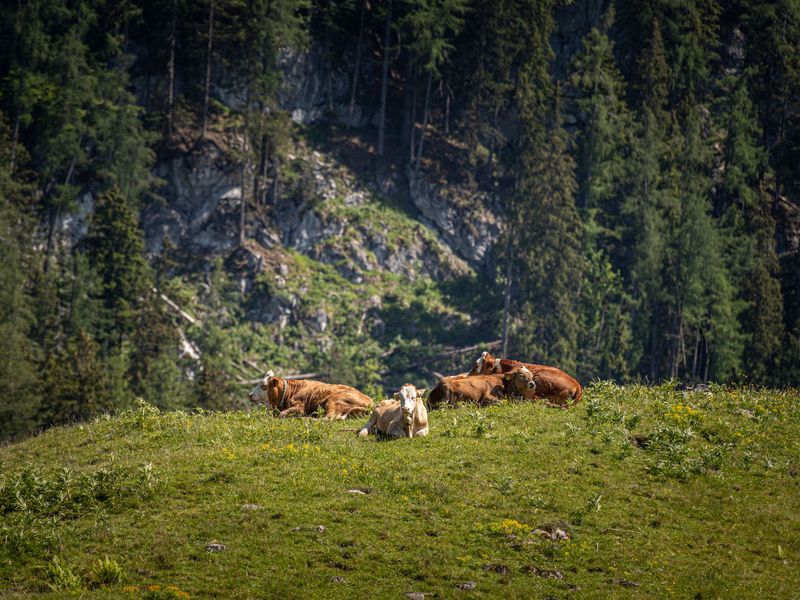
pixel 373 193
pixel 635 492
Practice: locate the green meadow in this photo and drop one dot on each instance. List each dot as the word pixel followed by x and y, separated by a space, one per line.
pixel 636 492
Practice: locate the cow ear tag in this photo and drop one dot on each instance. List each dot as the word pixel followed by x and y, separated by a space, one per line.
pixel 508 377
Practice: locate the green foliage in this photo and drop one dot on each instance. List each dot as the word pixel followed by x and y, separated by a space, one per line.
pixel 107 571
pixel 61 577
pixel 19 379
pixel 76 382
pixel 115 248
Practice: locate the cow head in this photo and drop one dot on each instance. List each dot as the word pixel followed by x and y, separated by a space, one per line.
pixel 520 380
pixel 485 365
pixel 268 389
pixel 408 396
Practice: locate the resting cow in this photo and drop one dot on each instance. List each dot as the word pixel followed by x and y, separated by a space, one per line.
pixel 404 416
pixel 481 389
pixel 295 397
pixel 552 384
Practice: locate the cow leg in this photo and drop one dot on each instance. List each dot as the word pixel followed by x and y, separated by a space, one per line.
pixel 422 432
pixel 292 411
pixel 369 425
pixel 334 411
pixel 396 429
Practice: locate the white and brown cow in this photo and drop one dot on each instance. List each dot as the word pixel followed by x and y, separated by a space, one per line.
pixel 403 416
pixel 298 398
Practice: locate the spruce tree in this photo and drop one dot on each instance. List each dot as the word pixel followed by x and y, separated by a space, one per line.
pixel 19 377
pixel 115 247
pixel 744 211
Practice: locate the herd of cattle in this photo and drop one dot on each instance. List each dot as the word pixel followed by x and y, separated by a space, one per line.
pixel 490 381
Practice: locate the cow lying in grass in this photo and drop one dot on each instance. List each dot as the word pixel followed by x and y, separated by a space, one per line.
pixel 552 384
pixel 481 389
pixel 297 398
pixel 403 416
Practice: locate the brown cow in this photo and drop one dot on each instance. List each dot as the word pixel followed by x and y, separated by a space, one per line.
pixel 552 384
pixel 297 398
pixel 481 389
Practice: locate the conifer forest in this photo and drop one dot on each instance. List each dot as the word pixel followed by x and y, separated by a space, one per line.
pixel 376 191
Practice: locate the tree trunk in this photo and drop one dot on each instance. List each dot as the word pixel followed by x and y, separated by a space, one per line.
pixel 20 90
pixel 507 292
pixel 243 174
pixel 208 66
pixel 351 107
pixel 171 69
pixel 424 121
pixel 52 218
pixel 17 117
pixel 242 205
pixel 411 137
pixel 275 191
pixel 384 79
pixel 446 110
pixel 329 74
pixel 55 211
pixel 653 346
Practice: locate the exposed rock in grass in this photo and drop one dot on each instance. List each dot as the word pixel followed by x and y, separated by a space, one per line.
pixel 543 573
pixel 552 531
pixel 360 490
pixel 624 583
pixel 251 507
pixel 415 595
pixel 497 568
pixel 215 547
pixel 316 528
pixel 467 585
pixel 338 579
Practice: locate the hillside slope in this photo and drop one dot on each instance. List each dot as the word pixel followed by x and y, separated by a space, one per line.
pixel 659 494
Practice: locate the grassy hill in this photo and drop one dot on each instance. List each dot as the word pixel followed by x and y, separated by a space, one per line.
pixel 658 494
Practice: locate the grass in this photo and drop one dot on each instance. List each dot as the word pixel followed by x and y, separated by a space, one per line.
pixel 661 494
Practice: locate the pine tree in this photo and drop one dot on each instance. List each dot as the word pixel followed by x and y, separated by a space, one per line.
pixel 19 379
pixel 749 228
pixel 154 371
pixel 76 382
pixel 115 247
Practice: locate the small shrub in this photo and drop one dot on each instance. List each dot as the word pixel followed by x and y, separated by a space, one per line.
pixel 480 425
pixel 107 572
pixel 61 577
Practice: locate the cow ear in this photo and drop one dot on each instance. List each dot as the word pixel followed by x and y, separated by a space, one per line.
pixel 396 396
pixel 420 393
pixel 274 381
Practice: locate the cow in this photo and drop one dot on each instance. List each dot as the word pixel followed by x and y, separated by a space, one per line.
pixel 481 389
pixel 552 384
pixel 403 416
pixel 297 398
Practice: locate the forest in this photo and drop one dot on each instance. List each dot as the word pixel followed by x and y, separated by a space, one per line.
pixel 642 166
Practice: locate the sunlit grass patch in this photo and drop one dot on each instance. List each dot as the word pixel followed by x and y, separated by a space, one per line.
pixel 521 499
